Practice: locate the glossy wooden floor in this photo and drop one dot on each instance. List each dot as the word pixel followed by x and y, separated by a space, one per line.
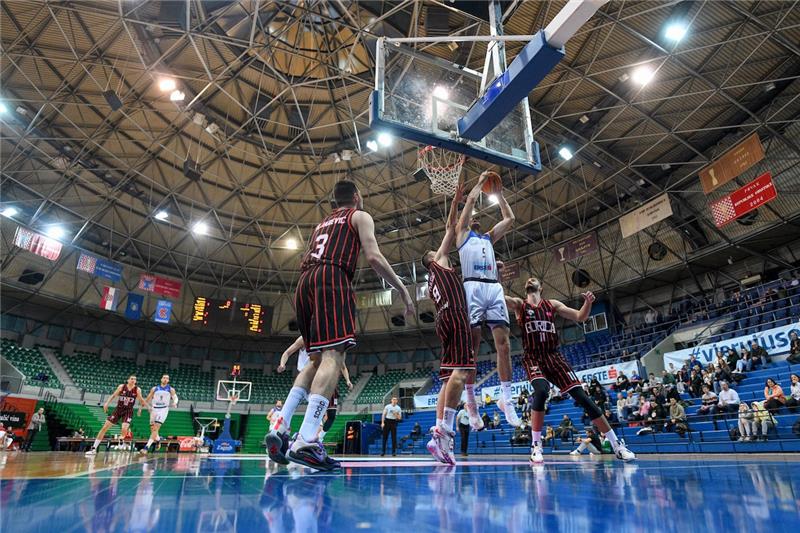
pixel 119 491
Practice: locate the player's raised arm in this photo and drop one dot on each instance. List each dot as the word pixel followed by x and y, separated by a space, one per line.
pixel 296 345
pixel 578 315
pixel 501 228
pixel 450 229
pixel 366 232
pixel 513 303
pixel 469 204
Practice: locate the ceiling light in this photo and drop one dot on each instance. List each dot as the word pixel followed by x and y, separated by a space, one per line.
pixel 9 212
pixel 493 198
pixel 3 108
pixel 441 93
pixel 22 111
pixel 643 75
pixel 453 46
pixel 624 78
pixel 161 215
pixel 565 153
pixel 200 228
pixel 384 139
pixel 584 119
pixel 769 87
pixel 176 96
pixel 676 31
pixel 55 232
pixel 372 145
pixel 167 84
pixel 292 244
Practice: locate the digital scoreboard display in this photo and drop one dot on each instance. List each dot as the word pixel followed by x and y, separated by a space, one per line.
pixel 230 316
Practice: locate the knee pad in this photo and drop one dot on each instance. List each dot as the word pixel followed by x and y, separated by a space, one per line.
pixel 584 401
pixel 541 389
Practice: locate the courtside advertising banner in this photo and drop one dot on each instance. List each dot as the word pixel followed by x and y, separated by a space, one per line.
pixel 775 341
pixel 429 400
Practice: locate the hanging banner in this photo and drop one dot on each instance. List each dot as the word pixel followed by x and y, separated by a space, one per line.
pixel 109 299
pixel 374 299
pixel 163 286
pixel 741 201
pixel 650 213
pixel 775 341
pixel 36 243
pixel 99 267
pixel 509 272
pixel 732 163
pixel 133 310
pixel 576 248
pixel 163 312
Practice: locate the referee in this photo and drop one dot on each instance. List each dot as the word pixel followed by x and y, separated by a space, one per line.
pixel 391 416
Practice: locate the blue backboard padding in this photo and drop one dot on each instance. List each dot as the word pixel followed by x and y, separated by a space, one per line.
pixel 377 123
pixel 505 92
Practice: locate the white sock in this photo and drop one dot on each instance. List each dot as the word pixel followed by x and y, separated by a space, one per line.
pixel 293 399
pixel 322 435
pixel 439 422
pixel 505 391
pixel 96 444
pixel 612 438
pixel 149 443
pixel 449 418
pixel 536 438
pixel 317 406
pixel 472 404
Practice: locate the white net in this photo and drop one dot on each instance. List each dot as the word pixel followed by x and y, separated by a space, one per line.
pixel 443 168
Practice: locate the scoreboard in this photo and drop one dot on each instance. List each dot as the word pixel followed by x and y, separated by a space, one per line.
pixel 230 316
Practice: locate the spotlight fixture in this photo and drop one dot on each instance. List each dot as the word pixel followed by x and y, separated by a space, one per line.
pixel 9 212
pixel 55 231
pixel 176 96
pixel 200 228
pixel 384 139
pixel 643 75
pixel 676 31
pixel 565 153
pixel 3 108
pixel 161 215
pixel 372 145
pixel 292 244
pixel 441 93
pixel 167 84
pixel 493 198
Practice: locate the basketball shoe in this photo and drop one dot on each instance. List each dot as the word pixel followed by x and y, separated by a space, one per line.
pixel 277 446
pixel 310 454
pixel 511 414
pixel 441 445
pixel 536 454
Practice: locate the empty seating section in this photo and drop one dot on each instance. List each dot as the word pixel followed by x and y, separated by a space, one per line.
pixel 379 386
pixel 30 362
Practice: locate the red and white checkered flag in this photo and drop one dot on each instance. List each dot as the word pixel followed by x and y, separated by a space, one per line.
pixel 723 211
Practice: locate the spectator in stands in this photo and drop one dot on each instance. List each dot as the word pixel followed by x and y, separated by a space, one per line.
pixel 708 376
pixel 793 401
pixel 644 410
pixel 667 378
pixel 694 363
pixel 652 379
pixel 590 442
pixel 774 396
pixel 566 429
pixel 622 405
pixel 612 419
pixel 522 400
pixel 682 377
pixel 744 364
pixel 794 349
pixel 549 436
pixel 677 418
pixel 651 317
pixel 720 375
pixel 746 429
pixel 623 383
pixel 728 399
pixel 522 435
pixel 710 401
pixel 464 428
pixel 496 421
pixel 657 416
pixel 487 422
pixel 758 353
pixel 416 431
pixel 34 427
pixel 732 358
pixel 695 384
pixel 635 379
pixel 762 420
pixel 599 394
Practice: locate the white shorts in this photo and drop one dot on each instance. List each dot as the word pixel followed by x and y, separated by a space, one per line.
pixel 158 415
pixel 486 303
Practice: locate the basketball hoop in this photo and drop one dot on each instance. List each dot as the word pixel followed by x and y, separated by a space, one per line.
pixel 443 168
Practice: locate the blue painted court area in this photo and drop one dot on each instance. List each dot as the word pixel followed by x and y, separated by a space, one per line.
pixel 188 493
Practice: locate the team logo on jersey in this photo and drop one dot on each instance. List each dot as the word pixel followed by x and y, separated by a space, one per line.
pixel 486 268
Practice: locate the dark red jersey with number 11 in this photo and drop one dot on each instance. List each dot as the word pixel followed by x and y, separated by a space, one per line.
pixel 334 242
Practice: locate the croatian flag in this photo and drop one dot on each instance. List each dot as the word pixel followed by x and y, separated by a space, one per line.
pixel 109 299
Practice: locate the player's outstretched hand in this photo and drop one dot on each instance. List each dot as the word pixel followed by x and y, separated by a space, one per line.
pixel 409 312
pixel 349 385
pixel 105 408
pixel 280 368
pixel 588 296
pixel 459 193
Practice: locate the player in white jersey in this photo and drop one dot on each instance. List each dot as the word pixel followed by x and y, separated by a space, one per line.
pixel 485 296
pixel 161 396
pixel 278 438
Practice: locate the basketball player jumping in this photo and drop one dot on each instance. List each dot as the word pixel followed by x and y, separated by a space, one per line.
pixel 485 297
pixel 446 289
pixel 160 397
pixel 543 362
pixel 128 393
pixel 278 437
pixel 325 306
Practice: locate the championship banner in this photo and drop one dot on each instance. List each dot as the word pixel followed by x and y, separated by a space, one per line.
pixel 109 299
pixel 99 267
pixel 163 286
pixel 775 341
pixel 133 310
pixel 426 401
pixel 374 299
pixel 650 213
pixel 732 163
pixel 163 312
pixel 509 272
pixel 576 248
pixel 741 201
pixel 36 243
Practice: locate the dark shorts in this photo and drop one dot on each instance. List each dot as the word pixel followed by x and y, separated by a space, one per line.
pixel 453 329
pixel 553 368
pixel 121 416
pixel 326 309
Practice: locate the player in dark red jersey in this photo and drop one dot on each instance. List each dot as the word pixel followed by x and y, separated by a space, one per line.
pixel 446 289
pixel 325 306
pixel 127 394
pixel 544 362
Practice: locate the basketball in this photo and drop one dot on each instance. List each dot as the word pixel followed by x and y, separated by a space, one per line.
pixel 493 183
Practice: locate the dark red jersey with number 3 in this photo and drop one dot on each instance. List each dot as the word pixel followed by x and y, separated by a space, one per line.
pixel 334 242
